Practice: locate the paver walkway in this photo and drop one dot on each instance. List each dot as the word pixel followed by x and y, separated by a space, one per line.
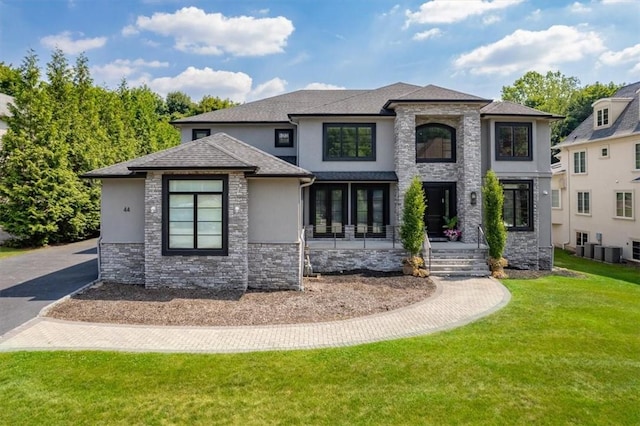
pixel 455 303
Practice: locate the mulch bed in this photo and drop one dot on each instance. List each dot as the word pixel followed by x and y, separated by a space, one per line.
pixel 327 298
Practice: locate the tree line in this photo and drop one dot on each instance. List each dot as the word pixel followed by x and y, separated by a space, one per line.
pixel 64 126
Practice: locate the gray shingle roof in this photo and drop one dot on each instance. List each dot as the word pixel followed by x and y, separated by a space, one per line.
pixel 4 107
pixel 432 93
pixel 627 123
pixel 512 108
pixel 216 152
pixel 356 176
pixel 368 102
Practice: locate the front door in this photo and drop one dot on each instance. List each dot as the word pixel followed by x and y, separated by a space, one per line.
pixel 441 201
pixel 328 209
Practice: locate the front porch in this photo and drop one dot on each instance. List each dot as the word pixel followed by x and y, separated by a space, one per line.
pixel 331 255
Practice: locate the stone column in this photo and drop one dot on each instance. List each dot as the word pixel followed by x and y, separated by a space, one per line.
pixel 405 153
pixel 470 178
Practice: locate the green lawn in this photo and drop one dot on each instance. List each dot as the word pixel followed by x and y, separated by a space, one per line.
pixel 566 350
pixel 8 251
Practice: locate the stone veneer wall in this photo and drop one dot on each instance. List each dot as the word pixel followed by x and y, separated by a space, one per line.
pixel 122 263
pixel 467 169
pixel 336 260
pixel 223 272
pixel 275 266
pixel 522 249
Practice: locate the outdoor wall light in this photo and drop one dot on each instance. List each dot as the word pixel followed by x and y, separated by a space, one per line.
pixel 474 198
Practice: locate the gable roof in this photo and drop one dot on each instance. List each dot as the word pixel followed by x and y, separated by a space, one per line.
pixel 216 152
pixel 628 123
pixel 502 108
pixel 432 93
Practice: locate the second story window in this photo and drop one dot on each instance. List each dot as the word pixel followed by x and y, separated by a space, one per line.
pixel 638 156
pixel 435 143
pixel 580 162
pixel 584 202
pixel 513 142
pixel 349 141
pixel 284 138
pixel 200 133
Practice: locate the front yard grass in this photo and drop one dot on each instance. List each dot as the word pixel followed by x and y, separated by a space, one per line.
pixel 8 251
pixel 566 350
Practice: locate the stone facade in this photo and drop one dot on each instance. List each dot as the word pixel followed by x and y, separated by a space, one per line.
pixel 336 260
pixel 122 263
pixel 275 266
pixel 221 272
pixel 466 171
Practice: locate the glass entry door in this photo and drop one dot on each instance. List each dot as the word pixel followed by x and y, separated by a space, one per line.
pixel 370 209
pixel 328 209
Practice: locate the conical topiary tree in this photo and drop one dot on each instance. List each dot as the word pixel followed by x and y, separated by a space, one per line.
pixel 496 233
pixel 412 229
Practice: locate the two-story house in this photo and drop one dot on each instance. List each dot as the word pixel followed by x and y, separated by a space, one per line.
pixel 236 202
pixel 594 184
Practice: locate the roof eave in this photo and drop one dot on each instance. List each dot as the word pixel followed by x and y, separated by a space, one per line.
pixel 422 101
pixel 504 114
pixel 178 123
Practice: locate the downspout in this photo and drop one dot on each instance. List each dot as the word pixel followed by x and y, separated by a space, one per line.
pixel 305 262
pixel 568 185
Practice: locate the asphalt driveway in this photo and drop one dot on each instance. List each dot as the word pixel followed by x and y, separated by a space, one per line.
pixel 31 281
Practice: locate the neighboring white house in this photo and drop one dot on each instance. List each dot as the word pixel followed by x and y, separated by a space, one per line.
pixel 356 152
pixel 595 186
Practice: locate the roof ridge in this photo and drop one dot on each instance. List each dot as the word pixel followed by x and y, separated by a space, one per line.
pixel 164 153
pixel 213 144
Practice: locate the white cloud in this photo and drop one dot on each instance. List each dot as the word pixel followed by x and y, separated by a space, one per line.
pixel 425 35
pixel 449 11
pixel 196 31
pixel 129 30
pixel 270 88
pixel 322 86
pixel 113 72
pixel 199 82
pixel 531 50
pixel 578 7
pixel 630 55
pixel 491 19
pixel 64 42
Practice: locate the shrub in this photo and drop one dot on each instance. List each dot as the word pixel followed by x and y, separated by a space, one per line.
pixel 493 202
pixel 412 229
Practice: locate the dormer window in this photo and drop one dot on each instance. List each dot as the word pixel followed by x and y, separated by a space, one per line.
pixel 602 117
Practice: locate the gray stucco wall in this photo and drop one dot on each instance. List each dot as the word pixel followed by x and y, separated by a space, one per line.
pixel 122 211
pixel 274 210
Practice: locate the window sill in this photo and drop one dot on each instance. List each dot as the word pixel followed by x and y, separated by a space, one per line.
pixel 629 219
pixel 583 214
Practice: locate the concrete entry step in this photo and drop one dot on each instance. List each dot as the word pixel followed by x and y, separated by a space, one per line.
pixel 458 260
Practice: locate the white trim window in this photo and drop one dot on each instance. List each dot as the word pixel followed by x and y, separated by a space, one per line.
pixel 637 156
pixel 580 162
pixel 584 202
pixel 604 151
pixel 624 204
pixel 556 198
pixel 602 117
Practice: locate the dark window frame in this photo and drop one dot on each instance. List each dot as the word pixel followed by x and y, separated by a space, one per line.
pixel 195 131
pixel 452 130
pixel 312 208
pixel 325 142
pixel 512 125
pixel 635 250
pixel 530 212
pixel 581 237
pixel 224 251
pixel 385 208
pixel 288 132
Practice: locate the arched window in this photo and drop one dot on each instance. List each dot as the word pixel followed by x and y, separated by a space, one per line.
pixel 435 143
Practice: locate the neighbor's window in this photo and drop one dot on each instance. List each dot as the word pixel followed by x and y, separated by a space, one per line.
pixel 581 238
pixel 195 218
pixel 284 138
pixel 518 205
pixel 638 156
pixel 555 199
pixel 602 117
pixel 624 204
pixel 604 152
pixel 584 202
pixel 580 162
pixel 200 133
pixel 513 142
pixel 635 250
pixel 349 142
pixel 435 143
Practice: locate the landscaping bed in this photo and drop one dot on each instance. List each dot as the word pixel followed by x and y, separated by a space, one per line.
pixel 326 298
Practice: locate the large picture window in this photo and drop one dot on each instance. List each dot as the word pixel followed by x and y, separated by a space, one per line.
pixel 194 215
pixel 435 143
pixel 518 205
pixel 349 142
pixel 513 142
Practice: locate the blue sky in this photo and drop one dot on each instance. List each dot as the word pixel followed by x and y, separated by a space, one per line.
pixel 246 50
